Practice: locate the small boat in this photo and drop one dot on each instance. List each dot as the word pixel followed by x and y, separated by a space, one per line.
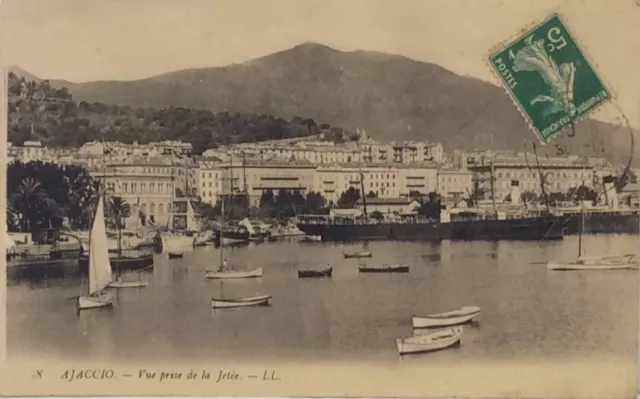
pixel 315 273
pixel 350 255
pixel 218 303
pixel 99 266
pixel 129 284
pixel 404 268
pixel 454 317
pixel 312 238
pixel 619 262
pixel 176 255
pixel 429 342
pixel 234 274
pixel 272 238
pixel 595 264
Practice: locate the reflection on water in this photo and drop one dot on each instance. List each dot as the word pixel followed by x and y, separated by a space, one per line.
pixel 527 311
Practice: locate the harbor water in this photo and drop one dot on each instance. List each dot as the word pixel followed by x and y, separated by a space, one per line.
pixel 528 312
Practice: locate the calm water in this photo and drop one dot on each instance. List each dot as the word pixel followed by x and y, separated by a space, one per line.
pixel 528 312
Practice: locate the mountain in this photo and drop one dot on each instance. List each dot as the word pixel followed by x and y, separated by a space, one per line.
pixel 392 97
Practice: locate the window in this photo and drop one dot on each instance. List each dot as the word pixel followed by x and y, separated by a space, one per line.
pixel 152 208
pixel 160 209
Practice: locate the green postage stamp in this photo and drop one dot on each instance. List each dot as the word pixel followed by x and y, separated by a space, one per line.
pixel 549 78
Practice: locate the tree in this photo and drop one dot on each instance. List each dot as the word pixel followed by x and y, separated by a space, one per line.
pixel 117 211
pixel 528 197
pixel 372 195
pixel 377 215
pixel 583 193
pixel 431 207
pixel 26 200
pixel 415 194
pixel 315 202
pixel 349 198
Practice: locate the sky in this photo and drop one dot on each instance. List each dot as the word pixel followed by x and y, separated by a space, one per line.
pixel 87 40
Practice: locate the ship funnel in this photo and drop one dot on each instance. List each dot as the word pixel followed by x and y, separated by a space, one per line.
pixel 515 192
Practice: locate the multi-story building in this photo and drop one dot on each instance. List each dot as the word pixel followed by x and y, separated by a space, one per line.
pixel 560 173
pixel 209 181
pixel 147 185
pixel 455 182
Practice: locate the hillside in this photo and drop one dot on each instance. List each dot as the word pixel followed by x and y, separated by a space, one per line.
pixel 391 96
pixel 40 111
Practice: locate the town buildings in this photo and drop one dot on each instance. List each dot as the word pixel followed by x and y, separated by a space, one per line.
pixel 152 174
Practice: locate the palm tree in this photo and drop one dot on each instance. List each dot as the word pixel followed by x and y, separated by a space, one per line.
pixel 49 209
pixel 26 200
pixel 118 211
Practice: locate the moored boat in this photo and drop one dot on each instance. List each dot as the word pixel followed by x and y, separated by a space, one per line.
pixel 218 303
pixel 403 268
pixel 233 274
pixel 595 264
pixel 451 318
pixel 315 273
pixel 362 254
pixel 131 261
pixel 312 238
pixel 98 265
pixel 429 342
pixel 175 255
pixel 129 284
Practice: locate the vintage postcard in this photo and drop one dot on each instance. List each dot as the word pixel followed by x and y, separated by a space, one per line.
pixel 354 198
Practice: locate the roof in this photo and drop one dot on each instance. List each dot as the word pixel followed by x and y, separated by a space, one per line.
pixel 631 188
pixel 388 201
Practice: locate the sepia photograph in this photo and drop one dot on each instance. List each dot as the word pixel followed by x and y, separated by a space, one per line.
pixel 352 198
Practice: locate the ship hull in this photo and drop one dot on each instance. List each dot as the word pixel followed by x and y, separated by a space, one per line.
pixel 511 229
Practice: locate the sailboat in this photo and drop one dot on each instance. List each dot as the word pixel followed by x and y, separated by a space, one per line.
pixel 222 302
pixel 99 266
pixel 611 262
pixel 230 274
pixel 183 228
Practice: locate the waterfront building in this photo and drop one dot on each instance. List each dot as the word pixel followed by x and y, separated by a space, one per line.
pixel 455 183
pixel 560 173
pixel 208 181
pixel 146 185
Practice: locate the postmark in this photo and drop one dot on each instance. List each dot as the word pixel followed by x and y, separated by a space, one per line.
pixel 549 78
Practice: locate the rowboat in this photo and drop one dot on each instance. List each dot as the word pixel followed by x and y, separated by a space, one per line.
pixel 234 274
pixel 218 303
pixel 619 262
pixel 348 255
pixel 175 255
pixel 312 238
pixel 315 273
pixel 451 318
pixel 129 284
pixel 429 342
pixel 404 268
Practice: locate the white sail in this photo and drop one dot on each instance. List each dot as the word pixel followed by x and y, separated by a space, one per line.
pixel 99 264
pixel 192 223
pixel 246 223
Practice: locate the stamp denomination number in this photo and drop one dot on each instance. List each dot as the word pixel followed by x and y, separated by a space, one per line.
pixel 557 40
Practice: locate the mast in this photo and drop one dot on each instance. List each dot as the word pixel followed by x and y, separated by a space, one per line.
pixel 493 190
pixel 221 229
pixel 544 192
pixel 244 172
pixel 364 196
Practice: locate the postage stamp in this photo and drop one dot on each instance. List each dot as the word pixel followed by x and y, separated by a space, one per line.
pixel 549 78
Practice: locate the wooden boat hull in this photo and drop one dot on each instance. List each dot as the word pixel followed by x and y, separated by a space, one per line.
pixel 120 263
pixel 460 316
pixel 129 284
pixel 93 302
pixel 357 255
pixel 218 303
pixel 315 273
pixel 232 275
pixel 390 269
pixel 429 342
pixel 558 266
pixel 175 255
pixel 233 241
